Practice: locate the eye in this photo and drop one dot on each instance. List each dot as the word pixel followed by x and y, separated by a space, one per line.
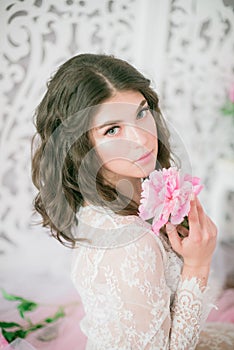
pixel 112 131
pixel 142 113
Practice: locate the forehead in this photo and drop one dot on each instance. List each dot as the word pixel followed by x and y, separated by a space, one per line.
pixel 128 96
pixel 119 106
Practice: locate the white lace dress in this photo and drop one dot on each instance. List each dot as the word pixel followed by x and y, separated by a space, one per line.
pixel 129 283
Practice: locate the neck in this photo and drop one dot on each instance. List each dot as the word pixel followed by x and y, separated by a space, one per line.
pixel 131 188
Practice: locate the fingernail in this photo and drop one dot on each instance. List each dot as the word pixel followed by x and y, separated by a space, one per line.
pixel 169 227
pixel 192 196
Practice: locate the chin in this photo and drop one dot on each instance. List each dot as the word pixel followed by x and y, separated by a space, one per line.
pixel 147 170
pixel 144 173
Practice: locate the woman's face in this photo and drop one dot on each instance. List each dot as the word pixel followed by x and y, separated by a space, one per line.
pixel 124 135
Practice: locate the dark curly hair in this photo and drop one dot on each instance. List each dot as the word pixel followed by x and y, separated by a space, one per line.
pixel 62 152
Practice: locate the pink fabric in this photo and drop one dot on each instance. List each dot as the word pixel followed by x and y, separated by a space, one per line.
pixel 3 341
pixel 225 312
pixel 70 335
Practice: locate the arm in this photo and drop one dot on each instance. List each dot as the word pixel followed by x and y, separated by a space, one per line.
pixel 198 247
pixel 197 250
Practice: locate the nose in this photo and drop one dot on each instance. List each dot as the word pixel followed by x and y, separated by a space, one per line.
pixel 136 134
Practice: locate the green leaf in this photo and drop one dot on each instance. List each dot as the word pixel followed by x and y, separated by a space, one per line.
pixel 185 223
pixel 35 327
pixel 10 336
pixel 59 314
pixel 26 305
pixel 228 108
pixel 10 296
pixel 227 111
pixel 9 324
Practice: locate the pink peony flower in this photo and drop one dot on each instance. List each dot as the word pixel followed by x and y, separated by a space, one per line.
pixel 166 196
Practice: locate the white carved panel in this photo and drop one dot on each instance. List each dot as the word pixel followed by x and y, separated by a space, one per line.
pixel 198 71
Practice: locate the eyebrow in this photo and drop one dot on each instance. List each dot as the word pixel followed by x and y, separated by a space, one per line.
pixel 113 122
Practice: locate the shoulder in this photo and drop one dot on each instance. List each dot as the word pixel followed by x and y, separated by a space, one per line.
pixel 120 256
pixel 108 230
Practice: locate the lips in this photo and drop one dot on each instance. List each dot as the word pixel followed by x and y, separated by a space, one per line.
pixel 144 156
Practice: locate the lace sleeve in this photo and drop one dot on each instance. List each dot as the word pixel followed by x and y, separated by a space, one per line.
pixel 191 304
pixel 187 315
pixel 128 303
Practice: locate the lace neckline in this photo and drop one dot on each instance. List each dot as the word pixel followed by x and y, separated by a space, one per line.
pixel 97 208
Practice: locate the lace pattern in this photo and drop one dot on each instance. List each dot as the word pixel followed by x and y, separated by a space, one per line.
pixel 132 293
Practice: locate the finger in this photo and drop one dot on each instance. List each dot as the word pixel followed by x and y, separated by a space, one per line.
pixel 212 228
pixel 193 218
pixel 173 237
pixel 201 213
pixel 183 231
pixel 193 214
pixel 208 229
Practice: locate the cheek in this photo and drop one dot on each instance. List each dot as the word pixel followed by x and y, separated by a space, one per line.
pixel 149 127
pixel 154 133
pixel 152 128
pixel 111 150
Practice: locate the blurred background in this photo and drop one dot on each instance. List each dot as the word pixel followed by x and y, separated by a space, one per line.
pixel 186 48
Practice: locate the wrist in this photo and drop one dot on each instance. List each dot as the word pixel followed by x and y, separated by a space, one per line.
pixel 196 266
pixel 200 272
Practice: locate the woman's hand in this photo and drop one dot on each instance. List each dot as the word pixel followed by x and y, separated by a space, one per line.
pixel 198 247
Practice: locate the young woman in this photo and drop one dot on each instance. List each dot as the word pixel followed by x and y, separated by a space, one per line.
pixel 100 134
